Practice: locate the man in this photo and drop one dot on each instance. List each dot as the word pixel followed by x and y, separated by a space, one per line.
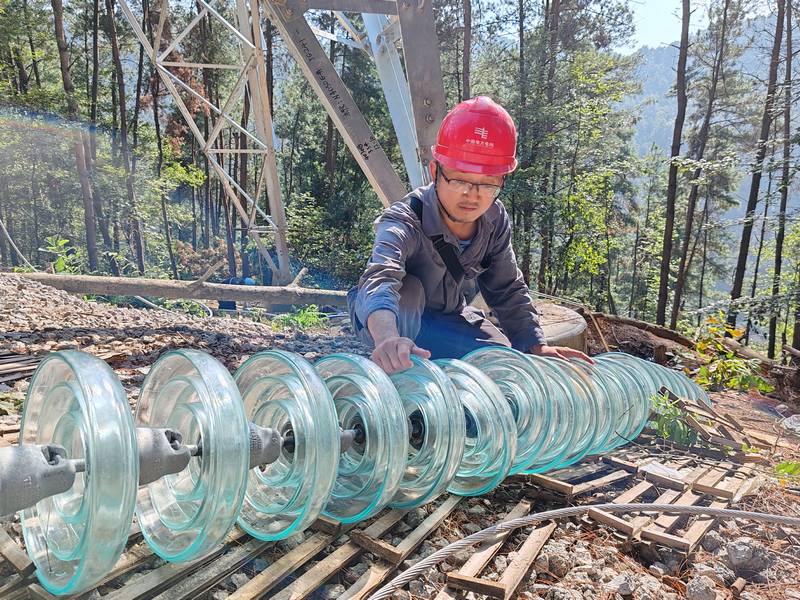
pixel 435 246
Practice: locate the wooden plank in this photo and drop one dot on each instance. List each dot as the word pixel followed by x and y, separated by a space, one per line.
pixel 621 463
pixel 666 539
pixel 10 372
pixel 611 520
pixel 729 443
pixel 701 526
pixel 516 571
pixel 327 525
pixel 486 551
pixel 286 564
pixel 11 358
pixel 732 434
pixel 708 483
pixel 633 493
pixel 594 484
pixel 493 589
pixel 665 481
pixel 701 429
pixel 551 484
pixel 368 582
pixel 397 554
pixel 205 579
pixel 159 579
pixel 377 547
pixel 14 554
pixel 768 439
pixel 13 584
pixel 39 593
pixel 666 522
pixel 317 575
pixel 629 528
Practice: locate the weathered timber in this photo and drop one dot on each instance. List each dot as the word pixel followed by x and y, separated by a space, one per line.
pixel 166 288
pixel 656 330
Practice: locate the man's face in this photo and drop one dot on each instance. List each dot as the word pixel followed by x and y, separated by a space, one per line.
pixel 462 203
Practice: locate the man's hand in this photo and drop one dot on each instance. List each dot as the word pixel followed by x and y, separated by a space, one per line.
pixel 394 354
pixel 559 352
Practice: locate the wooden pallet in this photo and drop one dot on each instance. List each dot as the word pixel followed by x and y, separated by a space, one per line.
pixel 585 477
pixel 368 539
pixel 467 577
pixel 710 486
pixel 723 429
pixel 391 556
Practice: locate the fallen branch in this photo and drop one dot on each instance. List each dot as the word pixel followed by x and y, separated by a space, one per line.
pixel 657 330
pixel 207 275
pixel 745 352
pixel 296 281
pixel 167 288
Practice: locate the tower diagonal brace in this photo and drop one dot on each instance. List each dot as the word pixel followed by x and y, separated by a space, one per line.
pixel 335 97
pixel 253 70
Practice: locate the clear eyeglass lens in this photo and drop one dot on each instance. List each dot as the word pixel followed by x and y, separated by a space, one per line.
pixel 485 190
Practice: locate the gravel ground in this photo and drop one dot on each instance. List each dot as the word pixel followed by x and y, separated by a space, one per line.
pixel 35 318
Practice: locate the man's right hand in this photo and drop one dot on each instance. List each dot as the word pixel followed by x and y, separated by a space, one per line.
pixel 394 353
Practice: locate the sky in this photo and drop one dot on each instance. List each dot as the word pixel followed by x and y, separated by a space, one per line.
pixel 658 22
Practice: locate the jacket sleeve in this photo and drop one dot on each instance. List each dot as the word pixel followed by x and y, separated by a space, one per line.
pixel 505 291
pixel 379 286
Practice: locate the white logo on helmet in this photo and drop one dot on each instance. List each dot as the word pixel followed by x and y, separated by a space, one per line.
pixel 482 132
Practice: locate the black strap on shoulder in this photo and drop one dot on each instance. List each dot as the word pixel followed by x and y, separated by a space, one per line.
pixel 416 206
pixel 445 250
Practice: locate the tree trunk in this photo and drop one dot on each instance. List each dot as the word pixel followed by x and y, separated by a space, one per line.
pixel 243 234
pixel 5 250
pixel 269 34
pixel 672 182
pixel 784 185
pixel 635 272
pixel 796 328
pixel 522 74
pixel 36 195
pixel 230 243
pixel 330 133
pixel 22 72
pixel 194 198
pixel 34 61
pixel 466 93
pixel 761 150
pixel 136 233
pixel 95 77
pixel 8 231
pixel 702 273
pixel 702 140
pixel 545 225
pixel 159 166
pixel 77 144
pixel 757 266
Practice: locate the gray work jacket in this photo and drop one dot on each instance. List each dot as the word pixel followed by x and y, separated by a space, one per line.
pixel 403 245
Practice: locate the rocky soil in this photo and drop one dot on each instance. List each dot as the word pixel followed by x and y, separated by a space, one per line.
pixel 36 318
pixel 576 564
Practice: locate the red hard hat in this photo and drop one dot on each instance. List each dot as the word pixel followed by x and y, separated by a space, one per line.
pixel 477 136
